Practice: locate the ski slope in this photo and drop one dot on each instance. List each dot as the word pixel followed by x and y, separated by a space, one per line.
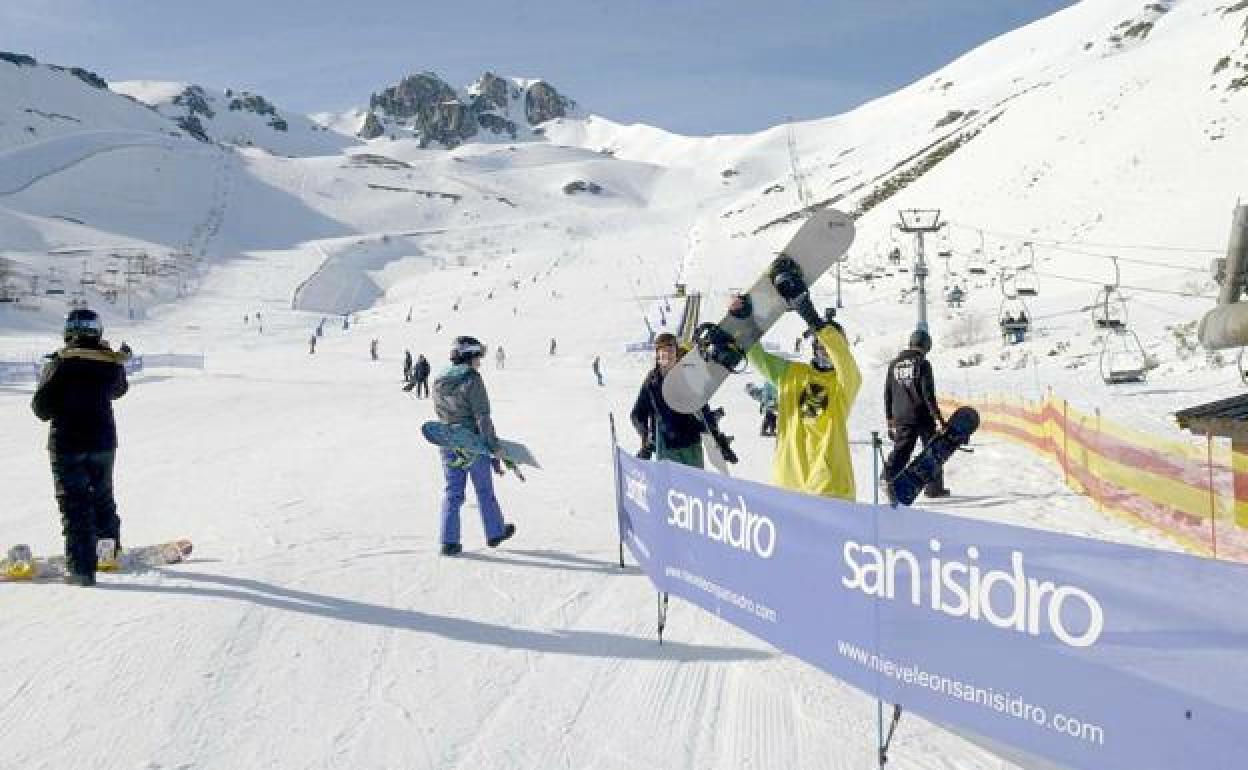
pixel 316 626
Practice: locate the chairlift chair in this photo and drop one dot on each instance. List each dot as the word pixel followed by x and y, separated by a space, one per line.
pixel 1123 358
pixel 1109 308
pixel 55 285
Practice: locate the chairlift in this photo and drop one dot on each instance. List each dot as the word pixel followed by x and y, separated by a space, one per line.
pixel 55 285
pixel 955 296
pixel 1012 316
pixel 1025 279
pixel 1123 358
pixel 88 277
pixel 1109 308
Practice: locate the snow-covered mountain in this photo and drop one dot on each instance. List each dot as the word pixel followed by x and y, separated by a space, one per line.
pixel 426 108
pixel 238 118
pixel 321 629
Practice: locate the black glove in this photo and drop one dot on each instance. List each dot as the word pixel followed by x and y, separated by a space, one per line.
pixel 125 349
pixel 646 451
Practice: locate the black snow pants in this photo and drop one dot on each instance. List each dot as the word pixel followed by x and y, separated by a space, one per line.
pixel 84 493
pixel 904 438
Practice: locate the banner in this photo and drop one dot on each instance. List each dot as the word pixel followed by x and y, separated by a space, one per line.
pixel 1087 653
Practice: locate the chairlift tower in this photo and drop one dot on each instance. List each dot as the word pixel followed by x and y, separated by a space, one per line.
pixel 918 222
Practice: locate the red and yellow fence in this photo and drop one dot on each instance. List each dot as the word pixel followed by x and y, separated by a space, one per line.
pixel 1184 487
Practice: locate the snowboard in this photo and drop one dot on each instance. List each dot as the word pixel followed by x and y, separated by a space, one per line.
pixel 720 348
pixel 20 565
pixel 471 445
pixel 905 486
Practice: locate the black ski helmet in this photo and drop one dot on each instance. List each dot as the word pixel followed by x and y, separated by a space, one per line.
pixel 466 348
pixel 921 340
pixel 83 325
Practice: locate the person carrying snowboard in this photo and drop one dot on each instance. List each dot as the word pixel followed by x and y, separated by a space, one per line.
pixel 812 400
pixel 667 434
pixel 459 398
pixel 75 393
pixel 911 409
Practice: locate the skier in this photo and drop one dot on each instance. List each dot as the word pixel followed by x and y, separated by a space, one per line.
pixel 813 401
pixel 462 400
pixel 312 344
pixel 420 376
pixel 500 358
pixel 666 434
pixel 552 346
pixel 407 366
pixel 765 395
pixel 246 318
pixel 75 392
pixel 597 367
pixel 372 348
pixel 911 409
pixel 346 323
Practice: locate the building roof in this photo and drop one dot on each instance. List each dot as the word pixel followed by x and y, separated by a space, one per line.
pixel 1226 418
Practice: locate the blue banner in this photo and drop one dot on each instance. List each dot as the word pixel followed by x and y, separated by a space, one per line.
pixel 1087 653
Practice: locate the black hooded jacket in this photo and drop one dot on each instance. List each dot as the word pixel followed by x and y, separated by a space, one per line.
pixel 76 390
pixel 676 430
pixel 910 390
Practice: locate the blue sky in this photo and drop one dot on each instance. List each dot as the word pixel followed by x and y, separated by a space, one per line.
pixel 690 66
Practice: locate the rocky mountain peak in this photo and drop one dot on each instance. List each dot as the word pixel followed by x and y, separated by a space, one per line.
pixel 425 107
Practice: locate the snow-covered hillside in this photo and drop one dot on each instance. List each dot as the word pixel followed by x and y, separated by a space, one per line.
pixel 316 626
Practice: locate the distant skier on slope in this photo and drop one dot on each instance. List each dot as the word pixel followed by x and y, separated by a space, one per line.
pixel 420 377
pixel 75 392
pixel 460 398
pixel 597 367
pixel 407 366
pixel 911 408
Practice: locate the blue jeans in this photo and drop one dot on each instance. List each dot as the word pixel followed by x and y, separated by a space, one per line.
pixel 482 482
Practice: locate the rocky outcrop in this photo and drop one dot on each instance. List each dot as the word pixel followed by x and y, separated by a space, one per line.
pixel 542 103
pixel 372 127
pixel 427 108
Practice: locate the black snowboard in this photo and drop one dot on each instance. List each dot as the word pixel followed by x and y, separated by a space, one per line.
pixel 906 485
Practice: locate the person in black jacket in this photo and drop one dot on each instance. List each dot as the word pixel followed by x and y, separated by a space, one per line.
pixel 911 409
pixel 667 434
pixel 76 390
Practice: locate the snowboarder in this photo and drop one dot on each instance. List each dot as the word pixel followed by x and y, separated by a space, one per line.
pixel 246 318
pixel 372 348
pixel 346 323
pixel 312 344
pixel 76 389
pixel 666 434
pixel 420 376
pixel 597 367
pixel 462 400
pixel 407 366
pixel 500 358
pixel 320 328
pixel 911 408
pixel 552 346
pixel 813 404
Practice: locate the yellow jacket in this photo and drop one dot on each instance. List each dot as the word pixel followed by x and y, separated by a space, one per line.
pixel 812 441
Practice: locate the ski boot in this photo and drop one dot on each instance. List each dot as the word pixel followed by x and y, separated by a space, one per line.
pixel 19 564
pixel 107 555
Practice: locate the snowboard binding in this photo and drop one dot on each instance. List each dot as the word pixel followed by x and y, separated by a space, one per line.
pixel 715 344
